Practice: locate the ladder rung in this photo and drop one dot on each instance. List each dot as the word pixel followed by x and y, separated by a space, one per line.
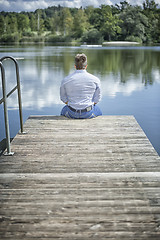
pixel 2 100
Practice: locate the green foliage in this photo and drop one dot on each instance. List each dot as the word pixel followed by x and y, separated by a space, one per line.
pixel 33 22
pixel 134 23
pixel 92 36
pixel 23 22
pixel 8 38
pixel 80 23
pixel 153 14
pixel 133 39
pixel 109 23
pixel 66 20
pixel 2 25
pixel 92 25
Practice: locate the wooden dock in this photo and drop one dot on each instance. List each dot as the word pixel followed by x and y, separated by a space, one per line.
pixel 80 179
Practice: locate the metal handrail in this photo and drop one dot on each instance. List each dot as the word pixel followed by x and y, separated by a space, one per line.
pixel 4 100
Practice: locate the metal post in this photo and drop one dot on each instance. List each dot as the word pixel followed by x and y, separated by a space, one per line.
pixel 5 111
pixel 18 89
pixel 4 100
pixel 19 96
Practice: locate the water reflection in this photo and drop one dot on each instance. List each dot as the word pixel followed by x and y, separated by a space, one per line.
pixel 125 63
pixel 120 70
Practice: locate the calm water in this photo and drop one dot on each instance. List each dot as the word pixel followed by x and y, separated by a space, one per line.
pixel 130 80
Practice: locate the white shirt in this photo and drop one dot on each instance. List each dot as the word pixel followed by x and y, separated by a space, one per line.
pixel 80 89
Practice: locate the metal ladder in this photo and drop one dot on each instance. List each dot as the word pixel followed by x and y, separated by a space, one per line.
pixel 4 101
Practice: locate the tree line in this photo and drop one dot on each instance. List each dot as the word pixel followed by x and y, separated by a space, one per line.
pixel 122 22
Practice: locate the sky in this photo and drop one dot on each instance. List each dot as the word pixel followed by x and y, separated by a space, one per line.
pixel 32 5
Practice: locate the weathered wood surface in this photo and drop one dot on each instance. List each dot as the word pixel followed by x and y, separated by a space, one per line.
pixel 80 179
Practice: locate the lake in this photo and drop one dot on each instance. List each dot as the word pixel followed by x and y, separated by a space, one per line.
pixel 130 78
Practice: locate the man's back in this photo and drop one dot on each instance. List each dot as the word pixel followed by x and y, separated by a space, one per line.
pixel 82 89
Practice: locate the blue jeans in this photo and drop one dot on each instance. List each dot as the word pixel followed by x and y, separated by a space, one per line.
pixel 67 112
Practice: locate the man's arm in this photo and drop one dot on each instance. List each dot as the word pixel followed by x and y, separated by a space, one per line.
pixel 63 95
pixel 97 95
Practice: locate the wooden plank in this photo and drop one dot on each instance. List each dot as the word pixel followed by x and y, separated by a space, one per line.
pixel 80 179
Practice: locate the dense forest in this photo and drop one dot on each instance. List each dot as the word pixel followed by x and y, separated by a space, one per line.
pixel 122 22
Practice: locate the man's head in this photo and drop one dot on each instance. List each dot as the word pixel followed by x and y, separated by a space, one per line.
pixel 80 61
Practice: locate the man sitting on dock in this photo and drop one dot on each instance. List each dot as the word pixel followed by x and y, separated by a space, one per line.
pixel 80 91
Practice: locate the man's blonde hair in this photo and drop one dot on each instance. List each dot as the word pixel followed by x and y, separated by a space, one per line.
pixel 80 61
